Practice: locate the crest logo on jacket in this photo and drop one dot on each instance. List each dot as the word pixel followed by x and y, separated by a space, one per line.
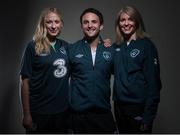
pixel 134 53
pixel 43 54
pixel 62 50
pixel 79 55
pixel 118 49
pixel 107 55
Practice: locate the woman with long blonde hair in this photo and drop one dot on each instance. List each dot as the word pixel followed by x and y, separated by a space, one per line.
pixel 44 76
pixel 137 81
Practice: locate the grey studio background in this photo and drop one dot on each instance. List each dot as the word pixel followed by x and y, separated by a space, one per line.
pixel 18 21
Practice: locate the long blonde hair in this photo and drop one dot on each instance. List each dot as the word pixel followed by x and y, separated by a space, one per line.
pixel 136 16
pixel 42 43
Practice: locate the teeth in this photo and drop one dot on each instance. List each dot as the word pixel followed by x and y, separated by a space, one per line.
pixel 91 30
pixel 53 31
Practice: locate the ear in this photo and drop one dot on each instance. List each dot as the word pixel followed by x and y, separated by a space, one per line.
pixel 81 26
pixel 101 27
pixel 61 25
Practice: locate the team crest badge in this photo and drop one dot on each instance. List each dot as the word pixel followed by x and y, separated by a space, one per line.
pixel 118 49
pixel 79 55
pixel 107 55
pixel 134 53
pixel 62 50
pixel 43 54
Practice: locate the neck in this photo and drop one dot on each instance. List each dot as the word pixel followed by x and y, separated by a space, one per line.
pixel 53 43
pixel 51 39
pixel 93 41
pixel 128 38
pixel 94 44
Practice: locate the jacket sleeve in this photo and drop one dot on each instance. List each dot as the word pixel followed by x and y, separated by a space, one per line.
pixel 151 69
pixel 26 63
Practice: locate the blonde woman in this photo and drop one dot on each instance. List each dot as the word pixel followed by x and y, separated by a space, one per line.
pixel 137 81
pixel 44 76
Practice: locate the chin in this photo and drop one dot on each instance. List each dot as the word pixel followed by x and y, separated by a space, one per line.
pixel 91 35
pixel 127 32
pixel 53 35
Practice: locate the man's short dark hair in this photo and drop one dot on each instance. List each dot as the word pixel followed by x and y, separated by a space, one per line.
pixel 95 11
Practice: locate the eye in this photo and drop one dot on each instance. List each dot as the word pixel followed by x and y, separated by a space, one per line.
pixel 122 20
pixel 48 21
pixel 85 22
pixel 57 21
pixel 131 19
pixel 94 21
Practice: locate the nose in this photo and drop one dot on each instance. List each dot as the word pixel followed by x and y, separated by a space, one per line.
pixel 89 25
pixel 53 25
pixel 126 22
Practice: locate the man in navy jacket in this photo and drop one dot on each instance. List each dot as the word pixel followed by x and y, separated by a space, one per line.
pixel 91 67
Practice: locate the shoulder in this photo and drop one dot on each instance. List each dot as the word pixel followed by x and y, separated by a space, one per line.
pixel 29 48
pixel 79 42
pixel 115 45
pixel 63 42
pixel 76 44
pixel 30 45
pixel 147 42
pixel 149 46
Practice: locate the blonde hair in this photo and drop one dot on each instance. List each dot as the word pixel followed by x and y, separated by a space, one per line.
pixel 136 17
pixel 42 43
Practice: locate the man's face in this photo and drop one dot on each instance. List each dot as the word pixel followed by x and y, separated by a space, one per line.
pixel 91 25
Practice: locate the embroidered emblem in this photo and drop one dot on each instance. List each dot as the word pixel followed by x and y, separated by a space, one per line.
pixel 43 54
pixel 79 55
pixel 138 118
pixel 107 55
pixel 134 53
pixel 62 50
pixel 155 61
pixel 118 49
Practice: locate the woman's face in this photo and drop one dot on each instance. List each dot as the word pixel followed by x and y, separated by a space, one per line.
pixel 53 24
pixel 127 24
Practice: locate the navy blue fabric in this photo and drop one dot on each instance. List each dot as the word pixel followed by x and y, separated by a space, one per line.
pixel 90 85
pixel 48 75
pixel 137 76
